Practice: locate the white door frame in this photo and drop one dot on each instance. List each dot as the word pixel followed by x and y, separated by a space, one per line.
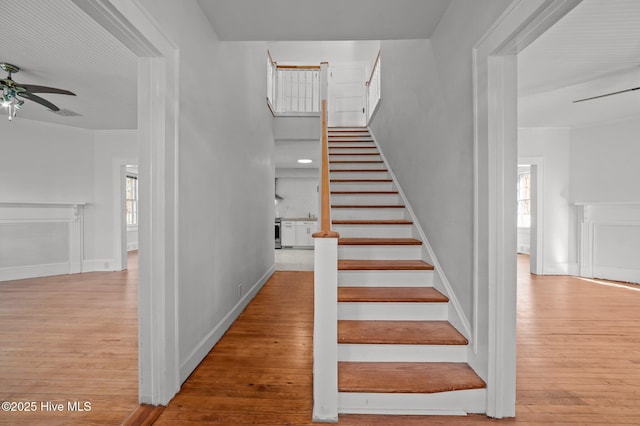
pixel 537 213
pixel 495 167
pixel 119 218
pixel 158 97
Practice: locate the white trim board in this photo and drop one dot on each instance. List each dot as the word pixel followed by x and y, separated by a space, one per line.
pixel 158 112
pixel 495 166
pixel 34 271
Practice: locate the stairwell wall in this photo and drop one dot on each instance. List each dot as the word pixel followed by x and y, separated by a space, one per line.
pixel 425 128
pixel 225 178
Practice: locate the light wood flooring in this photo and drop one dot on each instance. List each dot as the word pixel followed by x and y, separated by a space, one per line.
pixel 70 338
pixel 578 355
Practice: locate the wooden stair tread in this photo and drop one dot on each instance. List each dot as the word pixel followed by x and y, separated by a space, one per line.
pixel 379 242
pixel 351 147
pixel 383 265
pixel 354 153
pixel 362 180
pixel 391 294
pixel 367 206
pixel 356 161
pixel 406 377
pixel 399 333
pixel 371 222
pixel 358 170
pixel 363 192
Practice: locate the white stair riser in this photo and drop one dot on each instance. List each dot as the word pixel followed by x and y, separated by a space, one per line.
pixel 373 231
pixel 442 403
pixel 353 151
pixel 380 252
pixel 355 142
pixel 379 214
pixel 366 199
pixel 359 175
pixel 402 353
pixel 362 186
pixel 385 278
pixel 354 157
pixel 357 165
pixel 392 311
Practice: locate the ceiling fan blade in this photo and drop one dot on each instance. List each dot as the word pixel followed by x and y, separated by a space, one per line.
pixel 40 101
pixel 32 88
pixel 608 94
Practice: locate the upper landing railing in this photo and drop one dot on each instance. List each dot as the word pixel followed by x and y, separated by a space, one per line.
pixel 293 90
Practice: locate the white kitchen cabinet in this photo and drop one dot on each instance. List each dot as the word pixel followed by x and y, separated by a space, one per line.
pixel 298 233
pixel 304 233
pixel 288 233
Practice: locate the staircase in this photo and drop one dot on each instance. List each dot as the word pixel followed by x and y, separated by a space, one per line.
pixel 397 353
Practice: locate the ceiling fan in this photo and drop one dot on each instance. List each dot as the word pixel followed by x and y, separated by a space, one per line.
pixel 12 92
pixel 608 94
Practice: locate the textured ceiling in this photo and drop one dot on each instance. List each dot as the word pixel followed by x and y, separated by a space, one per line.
pixel 323 20
pixel 593 50
pixel 56 44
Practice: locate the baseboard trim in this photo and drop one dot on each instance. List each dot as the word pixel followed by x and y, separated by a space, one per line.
pixel 34 271
pixel 204 347
pixel 98 265
pixel 144 415
pixel 626 275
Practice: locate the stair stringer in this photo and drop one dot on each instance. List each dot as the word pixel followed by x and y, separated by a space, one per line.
pixel 456 315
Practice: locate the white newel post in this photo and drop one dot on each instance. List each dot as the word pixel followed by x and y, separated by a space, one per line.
pixel 325 335
pixel 325 284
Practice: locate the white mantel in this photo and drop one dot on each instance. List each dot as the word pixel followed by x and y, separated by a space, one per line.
pixel 40 238
pixel 609 240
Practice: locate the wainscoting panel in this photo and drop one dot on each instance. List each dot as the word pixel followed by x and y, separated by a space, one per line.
pixel 610 241
pixel 40 239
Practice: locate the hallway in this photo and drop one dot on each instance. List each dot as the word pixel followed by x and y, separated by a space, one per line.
pixel 577 359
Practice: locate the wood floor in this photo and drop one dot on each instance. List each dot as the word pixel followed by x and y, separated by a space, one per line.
pixel 70 338
pixel 62 339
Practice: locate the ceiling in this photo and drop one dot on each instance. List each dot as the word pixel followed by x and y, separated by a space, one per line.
pixel 593 50
pixel 287 153
pixel 56 44
pixel 243 20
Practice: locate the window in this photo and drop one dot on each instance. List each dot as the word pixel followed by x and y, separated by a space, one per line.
pixel 132 201
pixel 524 200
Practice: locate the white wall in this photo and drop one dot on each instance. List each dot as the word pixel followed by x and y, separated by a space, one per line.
pixel 51 163
pixel 300 197
pixel 113 150
pixel 44 162
pixel 604 162
pixel 226 177
pixel 425 126
pixel 604 182
pixel 552 144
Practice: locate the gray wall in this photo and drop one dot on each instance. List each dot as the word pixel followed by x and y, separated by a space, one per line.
pixel 226 175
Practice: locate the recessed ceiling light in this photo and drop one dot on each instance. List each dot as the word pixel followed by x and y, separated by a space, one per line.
pixel 304 161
